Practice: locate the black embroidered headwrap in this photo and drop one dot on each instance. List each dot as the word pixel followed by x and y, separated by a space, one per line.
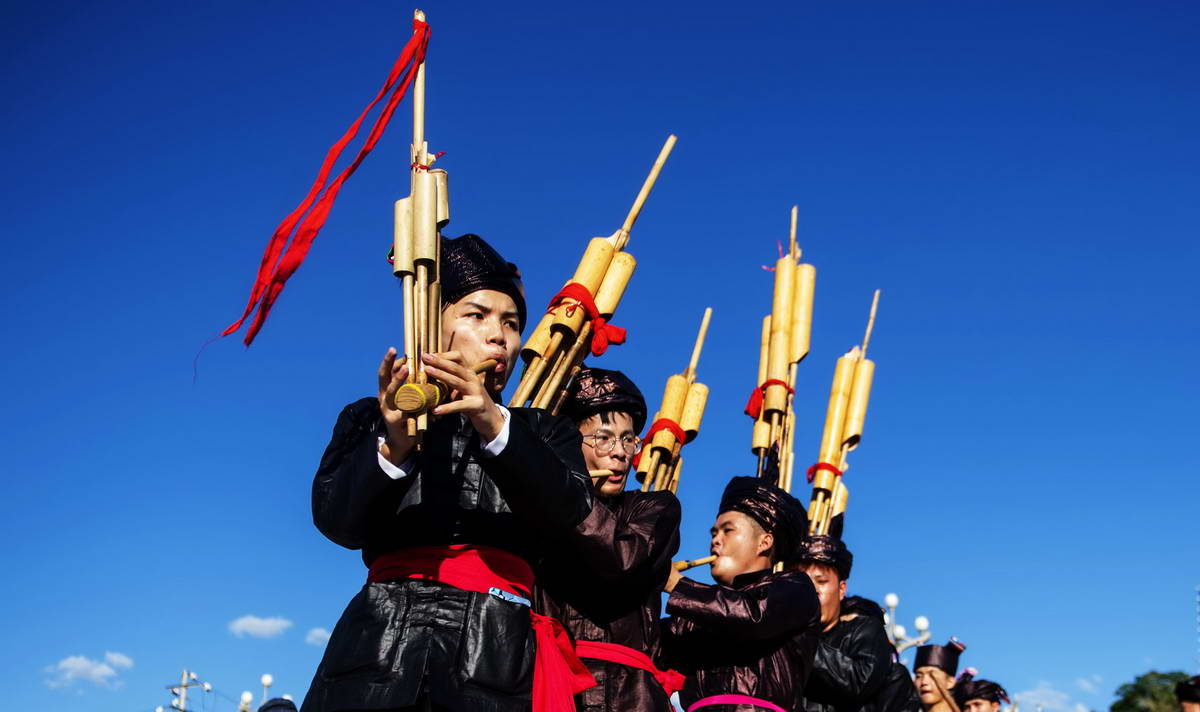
pixel 943 657
pixel 1188 690
pixel 599 390
pixel 829 551
pixel 776 511
pixel 979 690
pixel 469 264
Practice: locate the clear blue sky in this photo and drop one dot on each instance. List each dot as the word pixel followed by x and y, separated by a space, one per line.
pixel 1018 178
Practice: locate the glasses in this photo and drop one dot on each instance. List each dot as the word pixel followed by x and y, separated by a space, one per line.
pixel 604 444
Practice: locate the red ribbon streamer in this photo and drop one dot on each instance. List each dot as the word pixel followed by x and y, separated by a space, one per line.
pixel 812 471
pixel 558 673
pixel 662 424
pixel 275 270
pixel 603 333
pixel 755 404
pixel 670 680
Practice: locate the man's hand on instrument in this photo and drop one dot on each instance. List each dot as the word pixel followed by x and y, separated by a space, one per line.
pixel 393 372
pixel 468 394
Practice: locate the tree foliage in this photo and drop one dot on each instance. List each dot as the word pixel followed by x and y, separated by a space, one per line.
pixel 1149 692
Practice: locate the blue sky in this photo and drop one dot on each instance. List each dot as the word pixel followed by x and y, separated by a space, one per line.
pixel 1019 179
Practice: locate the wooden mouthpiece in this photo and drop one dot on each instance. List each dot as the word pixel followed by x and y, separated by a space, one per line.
pixel 597 474
pixel 685 565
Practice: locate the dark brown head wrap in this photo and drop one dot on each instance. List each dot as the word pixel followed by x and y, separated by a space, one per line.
pixel 979 690
pixel 776 511
pixel 598 390
pixel 943 657
pixel 1188 690
pixel 469 264
pixel 829 551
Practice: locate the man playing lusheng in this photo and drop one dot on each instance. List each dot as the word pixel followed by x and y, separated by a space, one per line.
pixel 605 580
pixel 450 532
pixel 854 668
pixel 979 696
pixel 935 668
pixel 746 643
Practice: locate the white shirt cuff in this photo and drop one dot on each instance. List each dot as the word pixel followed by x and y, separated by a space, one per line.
pixel 395 472
pixel 496 446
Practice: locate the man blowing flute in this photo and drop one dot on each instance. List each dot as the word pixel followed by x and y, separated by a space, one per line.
pixel 450 532
pixel 746 642
pixel 606 583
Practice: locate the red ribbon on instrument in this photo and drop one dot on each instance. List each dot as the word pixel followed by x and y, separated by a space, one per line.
pixel 275 269
pixel 603 333
pixel 755 404
pixel 662 424
pixel 670 680
pixel 812 471
pixel 558 673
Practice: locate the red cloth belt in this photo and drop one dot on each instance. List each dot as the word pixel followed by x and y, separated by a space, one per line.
pixel 755 404
pixel 603 333
pixel 662 424
pixel 670 680
pixel 558 673
pixel 812 471
pixel 734 700
pixel 279 265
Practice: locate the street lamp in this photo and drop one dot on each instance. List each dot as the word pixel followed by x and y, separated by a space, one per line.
pixel 897 633
pixel 247 700
pixel 266 681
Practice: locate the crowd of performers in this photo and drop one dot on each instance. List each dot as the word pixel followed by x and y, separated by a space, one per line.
pixel 503 577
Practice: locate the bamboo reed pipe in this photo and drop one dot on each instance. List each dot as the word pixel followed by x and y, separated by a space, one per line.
pixel 673 482
pixel 536 345
pixel 690 373
pixel 532 375
pixel 417 398
pixel 804 286
pixel 870 323
pixel 590 273
pixel 597 474
pixel 685 565
pixel 557 377
pixel 693 410
pixel 647 185
pixel 860 394
pixel 778 350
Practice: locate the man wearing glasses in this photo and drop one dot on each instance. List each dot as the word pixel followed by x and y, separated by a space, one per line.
pixel 607 575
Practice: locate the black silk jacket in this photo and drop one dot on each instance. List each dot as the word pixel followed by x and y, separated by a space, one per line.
pixel 606 585
pixel 400 642
pixel 855 669
pixel 756 638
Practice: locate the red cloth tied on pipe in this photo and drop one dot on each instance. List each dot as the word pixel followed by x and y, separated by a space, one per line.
pixel 755 404
pixel 603 333
pixel 662 424
pixel 275 269
pixel 558 673
pixel 812 471
pixel 670 680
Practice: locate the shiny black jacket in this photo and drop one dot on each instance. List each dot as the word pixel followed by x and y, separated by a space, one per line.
pixel 399 642
pixel 756 637
pixel 606 585
pixel 855 668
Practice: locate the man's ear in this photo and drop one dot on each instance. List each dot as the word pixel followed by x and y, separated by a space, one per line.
pixel 841 590
pixel 951 681
pixel 765 542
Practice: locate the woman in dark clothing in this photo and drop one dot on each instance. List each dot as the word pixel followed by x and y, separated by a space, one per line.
pixel 450 532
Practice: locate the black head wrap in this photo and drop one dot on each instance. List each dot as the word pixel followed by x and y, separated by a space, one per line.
pixel 943 657
pixel 598 390
pixel 278 704
pixel 1188 690
pixel 776 511
pixel 979 690
pixel 829 551
pixel 863 607
pixel 469 264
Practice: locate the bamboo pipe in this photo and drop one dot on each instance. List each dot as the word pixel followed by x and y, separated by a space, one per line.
pixel 622 236
pixel 417 398
pixel 597 474
pixel 685 565
pixel 870 323
pixel 690 373
pixel 778 350
pixel 946 696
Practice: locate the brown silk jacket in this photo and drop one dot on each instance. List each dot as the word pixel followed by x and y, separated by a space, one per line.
pixel 604 582
pixel 755 638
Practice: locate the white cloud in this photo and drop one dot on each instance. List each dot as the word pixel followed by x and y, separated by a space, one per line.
pixel 256 627
pixel 1085 684
pixel 79 668
pixel 317 636
pixel 1046 697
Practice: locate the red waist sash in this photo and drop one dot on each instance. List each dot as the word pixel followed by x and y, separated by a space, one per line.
pixel 734 700
pixel 670 680
pixel 558 674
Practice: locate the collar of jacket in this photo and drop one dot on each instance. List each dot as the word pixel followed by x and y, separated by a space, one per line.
pixel 743 580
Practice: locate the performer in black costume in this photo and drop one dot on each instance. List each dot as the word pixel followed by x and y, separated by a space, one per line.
pixel 855 668
pixel 480 501
pixel 935 668
pixel 747 642
pixel 973 695
pixel 605 581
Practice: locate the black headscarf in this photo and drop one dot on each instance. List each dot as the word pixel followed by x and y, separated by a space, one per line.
pixel 599 390
pixel 829 551
pixel 776 511
pixel 278 704
pixel 469 264
pixel 1188 690
pixel 943 657
pixel 979 690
